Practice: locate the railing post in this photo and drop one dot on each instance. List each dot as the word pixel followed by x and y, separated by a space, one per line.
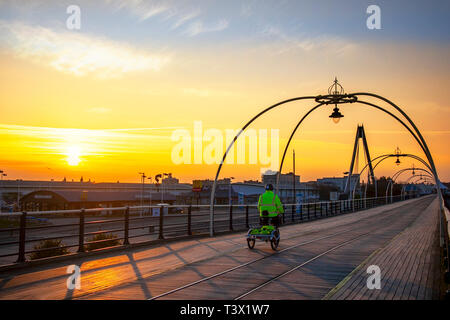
pixel 246 217
pixel 81 232
pixel 126 240
pixel 292 212
pixel 22 234
pixel 189 220
pixel 161 223
pixel 308 211
pixel 231 218
pixel 283 214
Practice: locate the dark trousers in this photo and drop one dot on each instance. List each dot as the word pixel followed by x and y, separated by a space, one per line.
pixel 273 220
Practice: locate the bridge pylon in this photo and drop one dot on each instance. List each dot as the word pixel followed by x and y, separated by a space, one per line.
pixel 360 134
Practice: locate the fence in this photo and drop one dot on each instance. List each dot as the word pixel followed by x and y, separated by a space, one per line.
pixel 132 225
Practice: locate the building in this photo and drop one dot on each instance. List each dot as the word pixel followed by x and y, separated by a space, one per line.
pixel 170 180
pixel 285 179
pixel 303 192
pixel 339 182
pixel 46 200
pixel 11 191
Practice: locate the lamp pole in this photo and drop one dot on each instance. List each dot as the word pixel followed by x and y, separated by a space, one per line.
pixel 2 174
pixel 293 178
pixel 150 193
pixel 143 176
pixel 229 191
pixel 18 194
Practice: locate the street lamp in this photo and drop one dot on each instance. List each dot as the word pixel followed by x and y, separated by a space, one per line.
pixel 336 90
pixel 2 174
pixel 229 191
pixel 336 115
pixel 398 153
pixel 161 176
pixel 143 176
pixel 150 194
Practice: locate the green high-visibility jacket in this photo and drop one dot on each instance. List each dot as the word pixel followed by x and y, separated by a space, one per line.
pixel 266 202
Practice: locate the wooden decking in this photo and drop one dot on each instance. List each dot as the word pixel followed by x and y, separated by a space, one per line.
pixel 409 265
pixel 313 258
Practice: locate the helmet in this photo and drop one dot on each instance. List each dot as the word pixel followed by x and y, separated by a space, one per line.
pixel 269 186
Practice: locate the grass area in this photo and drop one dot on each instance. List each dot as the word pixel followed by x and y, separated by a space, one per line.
pixel 54 247
pixel 111 241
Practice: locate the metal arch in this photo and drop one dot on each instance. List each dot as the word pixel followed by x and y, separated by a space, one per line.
pixel 396 118
pixel 213 191
pixel 338 100
pixel 409 179
pixel 397 174
pixel 390 156
pixel 357 101
pixel 326 103
pixel 364 168
pixel 427 153
pixel 289 141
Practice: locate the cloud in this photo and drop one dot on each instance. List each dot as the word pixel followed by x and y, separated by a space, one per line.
pixel 144 10
pixel 307 44
pixel 185 18
pixel 77 54
pixel 197 27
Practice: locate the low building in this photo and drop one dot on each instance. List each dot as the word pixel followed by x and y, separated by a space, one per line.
pixel 339 182
pixel 46 200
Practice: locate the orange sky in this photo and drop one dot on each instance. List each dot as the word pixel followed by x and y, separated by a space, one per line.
pixel 108 126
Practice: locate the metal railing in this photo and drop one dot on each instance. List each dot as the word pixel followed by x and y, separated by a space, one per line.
pixel 132 225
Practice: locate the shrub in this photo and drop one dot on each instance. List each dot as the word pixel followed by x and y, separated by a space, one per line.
pixel 112 241
pixel 54 246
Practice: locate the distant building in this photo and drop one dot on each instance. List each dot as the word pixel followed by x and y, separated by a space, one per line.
pixel 286 179
pixel 339 182
pixel 303 192
pixel 44 200
pixel 170 180
pixel 252 181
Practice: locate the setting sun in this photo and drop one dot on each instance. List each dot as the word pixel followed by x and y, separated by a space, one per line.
pixel 73 155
